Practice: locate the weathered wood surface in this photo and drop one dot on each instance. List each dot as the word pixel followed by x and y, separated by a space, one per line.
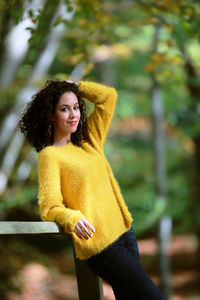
pixel 89 285
pixel 16 227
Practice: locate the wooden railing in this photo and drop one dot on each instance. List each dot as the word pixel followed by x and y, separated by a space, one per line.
pixel 89 285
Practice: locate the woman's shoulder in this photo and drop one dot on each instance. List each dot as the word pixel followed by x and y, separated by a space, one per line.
pixel 49 152
pixel 56 152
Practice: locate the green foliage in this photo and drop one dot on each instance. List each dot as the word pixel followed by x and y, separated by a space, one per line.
pixel 17 196
pixel 14 8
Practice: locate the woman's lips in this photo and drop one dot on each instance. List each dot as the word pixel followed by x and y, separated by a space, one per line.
pixel 72 123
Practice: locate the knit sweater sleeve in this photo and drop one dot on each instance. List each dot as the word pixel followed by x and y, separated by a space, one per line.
pixel 50 197
pixel 104 98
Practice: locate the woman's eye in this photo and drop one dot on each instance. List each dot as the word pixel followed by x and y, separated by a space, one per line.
pixel 65 108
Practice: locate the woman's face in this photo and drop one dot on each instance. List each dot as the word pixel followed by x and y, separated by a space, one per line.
pixel 66 111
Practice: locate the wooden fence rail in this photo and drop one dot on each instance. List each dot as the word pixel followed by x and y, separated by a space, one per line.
pixel 89 285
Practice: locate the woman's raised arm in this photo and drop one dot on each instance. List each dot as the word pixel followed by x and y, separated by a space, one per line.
pixel 104 98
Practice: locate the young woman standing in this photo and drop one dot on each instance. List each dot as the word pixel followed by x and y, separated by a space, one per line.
pixel 77 187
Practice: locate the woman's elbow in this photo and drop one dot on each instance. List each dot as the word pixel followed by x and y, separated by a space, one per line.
pixel 47 214
pixel 114 94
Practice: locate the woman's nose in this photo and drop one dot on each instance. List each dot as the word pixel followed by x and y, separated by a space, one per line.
pixel 72 112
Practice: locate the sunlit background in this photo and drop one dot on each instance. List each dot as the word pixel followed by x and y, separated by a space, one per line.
pixel 149 51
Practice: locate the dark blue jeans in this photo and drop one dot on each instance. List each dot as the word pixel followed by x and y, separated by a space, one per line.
pixel 119 265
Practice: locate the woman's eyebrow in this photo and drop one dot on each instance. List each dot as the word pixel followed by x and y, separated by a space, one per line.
pixel 68 104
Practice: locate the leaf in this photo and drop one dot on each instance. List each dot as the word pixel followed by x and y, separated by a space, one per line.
pixel 70 8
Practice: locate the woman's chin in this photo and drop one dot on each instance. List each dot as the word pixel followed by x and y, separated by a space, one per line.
pixel 74 130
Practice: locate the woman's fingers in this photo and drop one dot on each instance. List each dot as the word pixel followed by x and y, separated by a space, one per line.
pixel 77 233
pixel 82 224
pixel 85 221
pixel 81 229
pixel 85 230
pixel 72 81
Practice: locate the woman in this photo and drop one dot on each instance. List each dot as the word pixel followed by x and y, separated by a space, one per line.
pixel 77 188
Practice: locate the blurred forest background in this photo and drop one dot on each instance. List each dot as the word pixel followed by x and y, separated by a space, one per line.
pixel 149 51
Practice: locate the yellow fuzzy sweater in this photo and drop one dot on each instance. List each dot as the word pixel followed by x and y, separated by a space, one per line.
pixel 77 182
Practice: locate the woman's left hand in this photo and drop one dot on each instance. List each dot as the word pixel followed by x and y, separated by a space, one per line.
pixel 81 229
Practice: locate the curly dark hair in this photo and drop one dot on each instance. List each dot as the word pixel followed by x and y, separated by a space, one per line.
pixel 36 123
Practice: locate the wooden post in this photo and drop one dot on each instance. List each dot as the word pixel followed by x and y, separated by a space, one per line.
pixel 89 285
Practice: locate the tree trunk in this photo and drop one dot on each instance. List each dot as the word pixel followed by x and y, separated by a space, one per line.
pixel 164 226
pixel 194 203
